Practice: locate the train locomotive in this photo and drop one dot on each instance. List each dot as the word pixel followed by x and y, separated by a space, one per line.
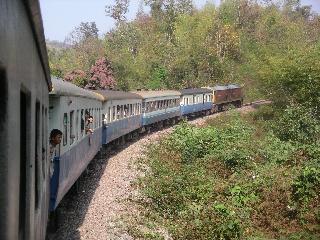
pixel 32 104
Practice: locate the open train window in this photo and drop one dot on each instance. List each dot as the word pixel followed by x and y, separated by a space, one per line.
pixel 72 136
pixel 44 142
pixel 82 123
pixel 77 125
pixel 65 129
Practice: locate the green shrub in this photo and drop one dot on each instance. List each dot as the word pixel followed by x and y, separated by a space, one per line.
pixel 215 181
pixel 307 184
pixel 297 123
pixel 274 150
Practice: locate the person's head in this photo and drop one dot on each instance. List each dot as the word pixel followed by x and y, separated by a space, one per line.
pixel 90 119
pixel 55 136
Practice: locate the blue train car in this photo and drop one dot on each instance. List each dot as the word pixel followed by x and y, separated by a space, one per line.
pixel 68 105
pixel 196 101
pixel 121 114
pixel 159 106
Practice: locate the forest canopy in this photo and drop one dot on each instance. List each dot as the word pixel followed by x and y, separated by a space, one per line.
pixel 175 45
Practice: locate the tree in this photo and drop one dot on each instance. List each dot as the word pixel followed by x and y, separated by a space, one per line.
pixel 101 75
pixel 118 10
pixel 85 31
pixel 77 77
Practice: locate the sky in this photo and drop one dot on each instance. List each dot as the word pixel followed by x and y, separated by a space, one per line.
pixel 60 17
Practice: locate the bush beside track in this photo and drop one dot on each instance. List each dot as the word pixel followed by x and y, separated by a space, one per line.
pixel 234 178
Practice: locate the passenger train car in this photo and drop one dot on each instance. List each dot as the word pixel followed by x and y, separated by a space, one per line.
pixel 68 106
pixel 195 101
pixel 159 107
pixel 121 114
pixel 25 85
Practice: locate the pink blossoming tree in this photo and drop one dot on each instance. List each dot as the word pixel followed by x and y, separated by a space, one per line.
pixel 101 75
pixel 77 77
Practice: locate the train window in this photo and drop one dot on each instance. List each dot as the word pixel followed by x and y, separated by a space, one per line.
pixel 25 124
pixel 94 112
pixel 118 112
pixel 45 140
pixel 125 111
pixel 113 113
pixel 38 153
pixel 72 136
pixel 82 123
pixel 44 145
pixel 65 129
pixel 109 115
pixel 77 125
pixel 97 118
pixel 121 111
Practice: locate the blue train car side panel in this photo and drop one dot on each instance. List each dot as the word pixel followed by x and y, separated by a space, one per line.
pixel 116 129
pixel 70 165
pixel 188 109
pixel 157 116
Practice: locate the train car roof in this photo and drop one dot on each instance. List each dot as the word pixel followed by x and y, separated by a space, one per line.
pixel 34 15
pixel 224 87
pixel 187 91
pixel 155 94
pixel 64 88
pixel 116 95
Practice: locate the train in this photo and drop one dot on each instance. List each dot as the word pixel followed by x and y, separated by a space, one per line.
pixel 33 103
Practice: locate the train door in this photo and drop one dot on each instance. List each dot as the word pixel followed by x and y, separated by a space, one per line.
pixel 3 150
pixel 25 123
